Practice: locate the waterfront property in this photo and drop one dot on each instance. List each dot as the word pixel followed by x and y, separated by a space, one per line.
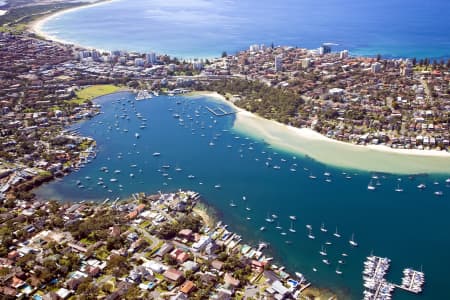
pixel 155 161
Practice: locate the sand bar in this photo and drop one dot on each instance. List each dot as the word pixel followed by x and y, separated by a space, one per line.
pixel 305 141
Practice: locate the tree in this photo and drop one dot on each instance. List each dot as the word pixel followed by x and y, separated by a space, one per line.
pixel 107 287
pixel 169 260
pixel 224 54
pixel 132 293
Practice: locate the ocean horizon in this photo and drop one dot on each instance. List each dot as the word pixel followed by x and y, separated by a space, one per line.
pixel 202 28
pixel 227 165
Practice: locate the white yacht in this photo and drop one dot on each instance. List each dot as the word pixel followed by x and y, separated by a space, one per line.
pixel 322 228
pixel 421 186
pixel 398 189
pixel 292 228
pixel 352 241
pixel 336 234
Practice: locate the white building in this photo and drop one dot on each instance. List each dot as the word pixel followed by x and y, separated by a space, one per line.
pixel 343 54
pixel 139 62
pixel 197 65
pixel 198 246
pixel 375 67
pixel 278 63
pixel 254 48
pixel 306 63
pixel 151 58
pixel 324 49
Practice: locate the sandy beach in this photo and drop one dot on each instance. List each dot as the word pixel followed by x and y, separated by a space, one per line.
pixel 36 26
pixel 305 141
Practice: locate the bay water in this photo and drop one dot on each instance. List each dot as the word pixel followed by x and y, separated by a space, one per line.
pixel 410 227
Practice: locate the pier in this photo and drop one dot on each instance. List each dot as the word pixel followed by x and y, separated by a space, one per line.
pixel 412 281
pixel 222 112
pixel 376 286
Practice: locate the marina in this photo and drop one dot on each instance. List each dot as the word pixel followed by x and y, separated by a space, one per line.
pixel 378 288
pixel 155 162
pixel 221 113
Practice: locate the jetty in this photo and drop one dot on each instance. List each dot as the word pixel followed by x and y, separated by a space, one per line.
pixel 221 112
pixel 412 281
pixel 377 287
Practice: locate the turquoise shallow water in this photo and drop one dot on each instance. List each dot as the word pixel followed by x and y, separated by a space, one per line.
pixel 411 227
pixel 201 28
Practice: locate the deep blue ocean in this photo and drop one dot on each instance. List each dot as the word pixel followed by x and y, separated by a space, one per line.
pixel 410 227
pixel 205 28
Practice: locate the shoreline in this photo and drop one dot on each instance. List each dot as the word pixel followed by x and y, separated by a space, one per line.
pixel 372 158
pixel 36 25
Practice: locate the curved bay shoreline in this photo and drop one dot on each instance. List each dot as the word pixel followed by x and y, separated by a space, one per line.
pixel 307 142
pixel 36 26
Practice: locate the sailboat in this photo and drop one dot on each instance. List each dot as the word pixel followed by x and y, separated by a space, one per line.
pixel 339 272
pixel 352 241
pixel 322 228
pixel 336 234
pixel 421 186
pixel 278 226
pixel 370 186
pixel 323 252
pixel 292 228
pixel 310 235
pixel 268 219
pixel 232 204
pixel 398 189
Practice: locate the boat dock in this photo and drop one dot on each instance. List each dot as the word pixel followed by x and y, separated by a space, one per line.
pixel 375 268
pixel 222 112
pixel 305 287
pixel 377 287
pixel 412 281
